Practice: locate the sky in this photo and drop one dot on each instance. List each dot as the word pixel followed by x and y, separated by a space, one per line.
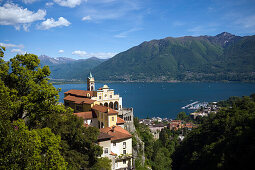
pixel 80 29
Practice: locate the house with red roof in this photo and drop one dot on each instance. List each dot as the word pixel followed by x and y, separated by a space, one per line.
pixel 103 109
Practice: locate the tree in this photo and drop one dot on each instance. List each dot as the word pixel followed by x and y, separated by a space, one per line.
pixel 25 149
pixel 183 116
pixel 26 95
pixel 103 164
pixel 223 141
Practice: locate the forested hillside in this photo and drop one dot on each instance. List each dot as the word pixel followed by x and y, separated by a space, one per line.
pixel 221 141
pixel 203 58
pixel 69 69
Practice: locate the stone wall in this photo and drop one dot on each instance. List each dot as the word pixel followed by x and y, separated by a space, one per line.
pixel 127 115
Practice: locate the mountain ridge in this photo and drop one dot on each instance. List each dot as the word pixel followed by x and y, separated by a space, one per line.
pixel 224 57
pixel 69 69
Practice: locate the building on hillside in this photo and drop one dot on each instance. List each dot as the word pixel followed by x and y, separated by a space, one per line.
pixel 90 83
pixel 106 116
pixel 103 109
pixel 120 148
pixel 156 129
pixel 89 118
pixel 128 116
pixel 175 124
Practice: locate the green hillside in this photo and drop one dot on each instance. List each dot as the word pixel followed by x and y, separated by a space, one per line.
pixel 70 69
pixel 204 58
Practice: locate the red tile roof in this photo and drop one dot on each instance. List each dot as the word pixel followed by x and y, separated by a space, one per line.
pixel 82 93
pixel 103 136
pixel 120 121
pixel 86 115
pixel 117 132
pixel 104 109
pixel 79 100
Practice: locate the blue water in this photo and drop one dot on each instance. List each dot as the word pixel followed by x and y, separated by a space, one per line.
pixel 166 99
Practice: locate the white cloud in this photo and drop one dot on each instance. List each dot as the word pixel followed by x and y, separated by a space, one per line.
pixel 48 4
pixel 102 55
pixel 60 51
pixel 17 50
pixel 86 18
pixel 8 45
pixel 12 14
pixel 79 53
pixel 205 29
pixel 246 22
pixel 124 34
pixel 68 3
pixel 51 23
pixel 112 9
pixel 29 1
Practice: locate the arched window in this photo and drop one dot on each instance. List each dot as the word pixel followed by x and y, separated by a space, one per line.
pixel 116 105
pixel 111 105
pixel 106 104
pixel 88 95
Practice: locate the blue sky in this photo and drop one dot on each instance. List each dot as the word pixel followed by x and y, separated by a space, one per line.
pixel 102 28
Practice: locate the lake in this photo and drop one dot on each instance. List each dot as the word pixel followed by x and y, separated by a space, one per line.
pixel 166 99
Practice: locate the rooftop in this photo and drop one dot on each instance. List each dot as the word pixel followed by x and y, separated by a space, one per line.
pixel 117 133
pixel 86 115
pixel 120 121
pixel 103 136
pixel 81 93
pixel 104 109
pixel 79 100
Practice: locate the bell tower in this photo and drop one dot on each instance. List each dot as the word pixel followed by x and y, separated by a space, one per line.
pixel 90 83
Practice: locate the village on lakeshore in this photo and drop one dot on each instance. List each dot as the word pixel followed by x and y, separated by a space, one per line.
pixel 103 109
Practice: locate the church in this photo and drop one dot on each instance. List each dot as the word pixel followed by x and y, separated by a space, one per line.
pixel 102 108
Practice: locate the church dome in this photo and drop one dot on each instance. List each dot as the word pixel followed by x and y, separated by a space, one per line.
pixel 105 87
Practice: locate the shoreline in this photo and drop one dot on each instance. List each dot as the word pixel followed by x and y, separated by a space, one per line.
pixel 55 82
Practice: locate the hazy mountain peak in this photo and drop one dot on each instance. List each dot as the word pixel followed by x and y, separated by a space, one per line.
pixel 225 34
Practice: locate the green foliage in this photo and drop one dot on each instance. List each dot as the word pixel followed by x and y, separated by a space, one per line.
pixel 25 149
pixel 158 152
pixel 144 133
pixel 36 131
pixel 103 164
pixel 183 116
pixel 185 59
pixel 223 141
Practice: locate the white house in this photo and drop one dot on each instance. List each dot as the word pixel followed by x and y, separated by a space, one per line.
pixel 121 147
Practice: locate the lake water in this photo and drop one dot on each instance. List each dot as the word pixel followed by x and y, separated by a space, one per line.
pixel 166 99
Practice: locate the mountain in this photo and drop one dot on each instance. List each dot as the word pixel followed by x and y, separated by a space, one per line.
pixel 203 58
pixel 46 60
pixel 69 69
